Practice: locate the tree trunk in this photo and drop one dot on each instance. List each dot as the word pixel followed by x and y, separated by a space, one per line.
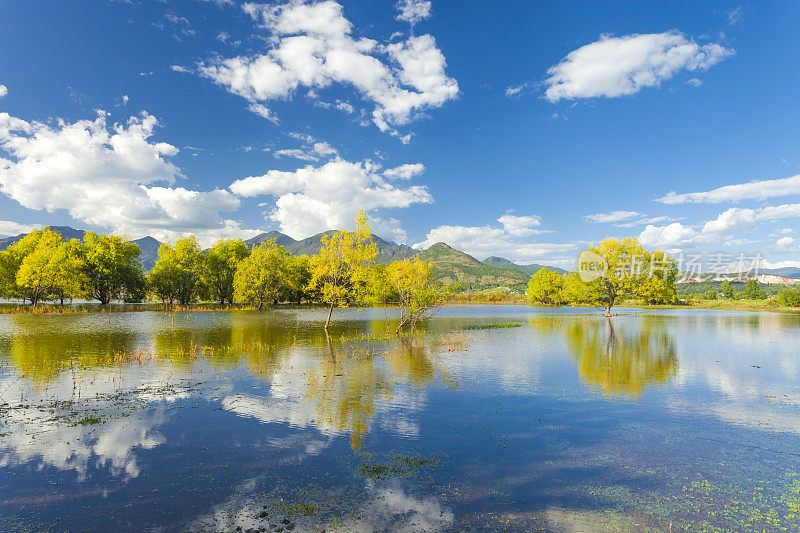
pixel 330 312
pixel 608 311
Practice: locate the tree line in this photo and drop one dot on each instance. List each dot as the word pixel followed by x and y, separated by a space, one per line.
pixel 42 267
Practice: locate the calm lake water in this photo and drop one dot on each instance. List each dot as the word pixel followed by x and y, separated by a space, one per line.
pixel 209 421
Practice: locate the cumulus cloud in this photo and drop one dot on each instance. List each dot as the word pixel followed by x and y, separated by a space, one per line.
pixel 313 199
pixel 3 90
pixel 730 221
pixel 115 178
pixel 311 45
pixel 754 190
pixel 670 236
pixel 734 219
pixel 503 240
pixel 614 216
pixel 617 66
pixel 413 11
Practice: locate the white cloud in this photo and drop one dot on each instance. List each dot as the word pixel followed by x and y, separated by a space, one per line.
pixel 785 242
pixel 516 90
pixel 617 66
pixel 3 90
pixel 314 199
pixel 413 11
pixel 647 220
pixel 734 219
pixel 614 216
pixel 669 236
pixel 344 106
pixel 181 69
pixel 312 149
pixel 503 240
pixel 263 111
pixel 405 172
pixel 9 228
pixel 517 226
pixel 113 178
pixel 754 190
pixel 695 82
pixel 312 46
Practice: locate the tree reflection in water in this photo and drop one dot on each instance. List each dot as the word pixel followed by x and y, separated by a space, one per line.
pixel 620 363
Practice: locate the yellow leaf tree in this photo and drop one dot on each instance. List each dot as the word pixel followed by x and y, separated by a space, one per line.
pixel 411 281
pixel 342 268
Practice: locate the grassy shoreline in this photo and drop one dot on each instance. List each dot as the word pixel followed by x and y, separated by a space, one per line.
pixel 13 308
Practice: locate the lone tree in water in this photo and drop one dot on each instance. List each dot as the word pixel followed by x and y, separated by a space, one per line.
pixel 631 272
pixel 411 284
pixel 341 270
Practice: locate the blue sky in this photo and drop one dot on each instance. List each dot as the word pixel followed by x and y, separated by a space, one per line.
pixel 521 129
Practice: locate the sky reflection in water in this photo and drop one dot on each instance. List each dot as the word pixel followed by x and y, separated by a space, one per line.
pixel 206 420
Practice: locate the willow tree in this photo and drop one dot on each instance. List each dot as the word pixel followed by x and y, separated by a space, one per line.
pixel 111 265
pixel 219 268
pixel 342 268
pixel 39 270
pixel 264 275
pixel 176 274
pixel 411 282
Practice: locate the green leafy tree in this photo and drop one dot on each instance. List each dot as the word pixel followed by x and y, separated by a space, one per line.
pixel 39 269
pixel 71 280
pixel 299 277
pixel 341 270
pixel 111 265
pixel 219 267
pixel 546 287
pixel 12 260
pixel 411 281
pixel 264 275
pixel 8 275
pixel 711 295
pixel 752 291
pixel 789 298
pixel 176 274
pixel 727 290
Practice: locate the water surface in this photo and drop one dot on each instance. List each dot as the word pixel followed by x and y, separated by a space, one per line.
pixel 559 420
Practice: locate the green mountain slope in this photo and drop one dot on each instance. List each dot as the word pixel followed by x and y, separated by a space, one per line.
pixel 530 270
pixel 280 238
pixel 387 251
pixel 453 266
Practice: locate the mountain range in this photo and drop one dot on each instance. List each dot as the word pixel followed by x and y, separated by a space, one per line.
pixel 449 265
